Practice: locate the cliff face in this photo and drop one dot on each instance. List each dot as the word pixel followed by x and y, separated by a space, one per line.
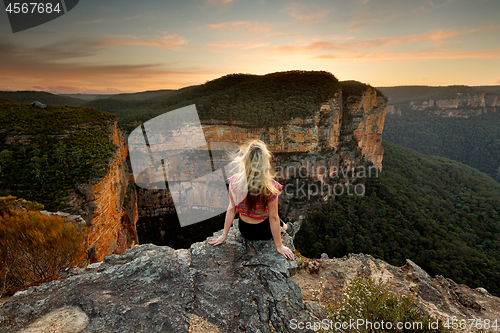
pixel 462 106
pixel 326 130
pixel 109 206
pixel 343 134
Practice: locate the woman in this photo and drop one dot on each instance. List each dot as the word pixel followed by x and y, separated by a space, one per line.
pixel 254 196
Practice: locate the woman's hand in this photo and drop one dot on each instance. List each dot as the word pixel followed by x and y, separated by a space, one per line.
pixel 286 252
pixel 217 241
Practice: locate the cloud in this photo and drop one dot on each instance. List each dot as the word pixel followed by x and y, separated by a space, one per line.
pixel 497 81
pixel 218 2
pixel 480 54
pixel 172 42
pixel 335 44
pixel 376 13
pixel 65 49
pixel 108 20
pixel 240 26
pixel 237 45
pixel 304 12
pixel 70 48
pixel 24 66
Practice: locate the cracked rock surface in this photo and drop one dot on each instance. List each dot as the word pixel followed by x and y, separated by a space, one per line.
pixel 239 286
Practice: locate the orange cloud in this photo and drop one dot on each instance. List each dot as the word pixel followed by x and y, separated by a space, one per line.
pixel 373 13
pixel 218 2
pixel 172 42
pixel 481 54
pixel 352 44
pixel 240 26
pixel 304 12
pixel 497 81
pixel 237 45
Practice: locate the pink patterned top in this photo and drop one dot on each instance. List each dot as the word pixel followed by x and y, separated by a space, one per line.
pixel 261 211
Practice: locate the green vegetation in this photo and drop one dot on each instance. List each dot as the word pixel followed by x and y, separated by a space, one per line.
pixel 261 100
pixel 355 88
pixel 45 152
pixel 41 96
pixel 35 246
pixel 258 100
pixel 377 303
pixel 443 215
pixel 474 141
pixel 418 94
pixel 11 202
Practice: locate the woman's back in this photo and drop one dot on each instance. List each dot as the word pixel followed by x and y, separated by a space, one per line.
pixel 260 211
pixel 253 195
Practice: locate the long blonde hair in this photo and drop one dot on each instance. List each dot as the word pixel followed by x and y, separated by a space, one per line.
pixel 253 161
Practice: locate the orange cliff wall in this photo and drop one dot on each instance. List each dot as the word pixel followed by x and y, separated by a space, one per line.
pixel 321 131
pixel 368 131
pixel 109 206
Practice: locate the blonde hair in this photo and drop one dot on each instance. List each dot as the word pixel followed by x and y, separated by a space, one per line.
pixel 253 160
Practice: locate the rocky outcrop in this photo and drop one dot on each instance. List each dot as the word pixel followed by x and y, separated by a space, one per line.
pixel 462 106
pixel 239 286
pixel 108 205
pixel 441 296
pixel 391 109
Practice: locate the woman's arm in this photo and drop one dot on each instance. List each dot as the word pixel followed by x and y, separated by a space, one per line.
pixel 274 220
pixel 230 214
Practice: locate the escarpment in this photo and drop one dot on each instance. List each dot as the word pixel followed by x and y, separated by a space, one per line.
pixel 330 146
pixel 73 161
pixel 452 101
pixel 108 205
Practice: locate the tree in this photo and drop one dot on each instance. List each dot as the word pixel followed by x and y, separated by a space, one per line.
pixel 35 246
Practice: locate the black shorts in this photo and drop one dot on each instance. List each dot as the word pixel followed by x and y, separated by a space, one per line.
pixel 258 231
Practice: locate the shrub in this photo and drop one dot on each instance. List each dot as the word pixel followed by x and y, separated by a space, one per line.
pixel 35 246
pixel 378 304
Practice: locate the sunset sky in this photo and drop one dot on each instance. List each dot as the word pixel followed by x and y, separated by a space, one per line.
pixel 111 46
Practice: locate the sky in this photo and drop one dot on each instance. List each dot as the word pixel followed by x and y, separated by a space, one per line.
pixel 114 46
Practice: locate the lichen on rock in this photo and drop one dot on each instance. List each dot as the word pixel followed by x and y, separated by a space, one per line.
pixel 237 286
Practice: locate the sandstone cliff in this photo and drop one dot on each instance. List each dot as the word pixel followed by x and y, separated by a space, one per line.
pixel 345 133
pixel 71 159
pixel 462 106
pixel 108 205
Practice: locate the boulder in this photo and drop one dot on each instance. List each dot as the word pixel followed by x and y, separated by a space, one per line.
pixel 38 105
pixel 239 286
